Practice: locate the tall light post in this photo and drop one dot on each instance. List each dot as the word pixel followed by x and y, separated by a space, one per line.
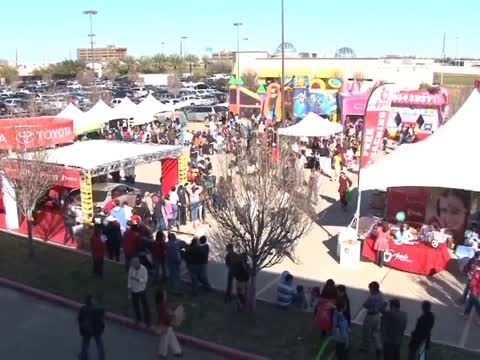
pixel 456 51
pixel 90 14
pixel 181 44
pixel 163 47
pixel 237 25
pixel 283 61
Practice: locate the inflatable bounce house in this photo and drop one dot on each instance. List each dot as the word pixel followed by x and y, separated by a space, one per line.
pixel 244 102
pixel 352 102
pixel 304 93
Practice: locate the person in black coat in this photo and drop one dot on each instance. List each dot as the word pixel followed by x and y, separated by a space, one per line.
pixel 422 332
pixel 113 232
pixel 91 324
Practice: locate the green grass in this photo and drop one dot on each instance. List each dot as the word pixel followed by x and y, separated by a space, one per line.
pixel 272 332
pixel 455 79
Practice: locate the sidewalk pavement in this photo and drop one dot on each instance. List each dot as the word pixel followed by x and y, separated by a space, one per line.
pixel 34 329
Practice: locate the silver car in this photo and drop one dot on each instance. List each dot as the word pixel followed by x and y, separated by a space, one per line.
pixel 202 113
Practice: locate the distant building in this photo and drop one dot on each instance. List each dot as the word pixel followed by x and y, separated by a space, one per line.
pixel 223 56
pixel 110 52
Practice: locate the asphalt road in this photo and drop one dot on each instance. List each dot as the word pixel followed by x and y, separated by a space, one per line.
pixel 33 329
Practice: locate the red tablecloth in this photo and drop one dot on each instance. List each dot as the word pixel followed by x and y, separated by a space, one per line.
pixel 418 259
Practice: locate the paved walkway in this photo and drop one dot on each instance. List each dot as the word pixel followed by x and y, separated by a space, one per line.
pixel 317 262
pixel 40 330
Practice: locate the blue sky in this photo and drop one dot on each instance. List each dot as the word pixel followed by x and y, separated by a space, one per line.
pixel 51 30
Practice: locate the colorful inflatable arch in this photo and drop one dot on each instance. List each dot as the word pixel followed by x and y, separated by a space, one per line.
pixel 272 109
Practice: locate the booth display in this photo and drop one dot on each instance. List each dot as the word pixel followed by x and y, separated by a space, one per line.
pixel 417 259
pixel 437 188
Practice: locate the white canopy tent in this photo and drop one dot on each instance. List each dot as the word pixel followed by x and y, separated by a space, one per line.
pixel 80 125
pixel 147 109
pixel 99 114
pixel 312 125
pixel 446 159
pixel 103 156
pixel 125 110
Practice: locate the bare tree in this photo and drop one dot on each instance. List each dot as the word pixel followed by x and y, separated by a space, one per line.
pixel 250 80
pixel 86 77
pixel 173 83
pixel 262 208
pixel 28 174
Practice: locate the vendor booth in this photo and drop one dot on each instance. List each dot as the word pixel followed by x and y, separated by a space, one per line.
pixel 435 185
pixel 84 164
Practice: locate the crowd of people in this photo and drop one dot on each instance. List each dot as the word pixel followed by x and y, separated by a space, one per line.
pixel 384 323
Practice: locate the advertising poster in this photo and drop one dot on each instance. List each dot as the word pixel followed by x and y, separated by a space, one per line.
pixel 449 209
pixel 376 115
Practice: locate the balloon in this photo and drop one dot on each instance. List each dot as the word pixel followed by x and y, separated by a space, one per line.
pixel 400 216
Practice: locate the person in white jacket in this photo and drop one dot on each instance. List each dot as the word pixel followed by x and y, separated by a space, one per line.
pixel 137 290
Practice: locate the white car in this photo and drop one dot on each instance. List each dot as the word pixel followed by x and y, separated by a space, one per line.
pixel 139 92
pixel 116 101
pixel 73 85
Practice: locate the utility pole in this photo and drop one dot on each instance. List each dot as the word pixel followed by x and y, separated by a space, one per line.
pixel 237 25
pixel 90 14
pixel 283 62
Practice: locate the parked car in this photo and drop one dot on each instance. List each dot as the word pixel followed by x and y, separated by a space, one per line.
pixel 103 193
pixel 201 113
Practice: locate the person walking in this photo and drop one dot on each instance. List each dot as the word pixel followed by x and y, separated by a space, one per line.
pixel 137 288
pixel 159 254
pixel 286 291
pixel 374 305
pixel 342 296
pixel 314 185
pixel 204 249
pixel 97 247
pixel 69 221
pixel 174 199
pixel 194 193
pixel 472 265
pixel 394 322
pixel 242 276
pixel 473 300
pixel 91 324
pixel 114 238
pixel 175 249
pixel 168 339
pixel 422 332
pixel 193 259
pixel 341 332
pixel 182 205
pixel 344 185
pixel 382 242
pixel 232 262
pixel 131 243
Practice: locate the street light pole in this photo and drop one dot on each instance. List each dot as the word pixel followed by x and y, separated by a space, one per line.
pixel 90 14
pixel 181 45
pixel 163 47
pixel 237 25
pixel 283 62
pixel 456 51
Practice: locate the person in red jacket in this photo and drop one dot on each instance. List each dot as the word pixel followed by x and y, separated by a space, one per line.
pixel 131 243
pixel 344 185
pixel 474 296
pixel 97 246
pixel 159 253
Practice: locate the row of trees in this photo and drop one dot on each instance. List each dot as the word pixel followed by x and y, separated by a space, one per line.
pixel 155 64
pixel 8 73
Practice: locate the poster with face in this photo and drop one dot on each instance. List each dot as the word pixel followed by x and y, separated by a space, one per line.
pixel 449 209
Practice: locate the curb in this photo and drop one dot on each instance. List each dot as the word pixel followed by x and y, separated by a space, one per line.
pixel 225 351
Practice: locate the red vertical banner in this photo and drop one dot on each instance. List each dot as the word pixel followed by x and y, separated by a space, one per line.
pixel 376 115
